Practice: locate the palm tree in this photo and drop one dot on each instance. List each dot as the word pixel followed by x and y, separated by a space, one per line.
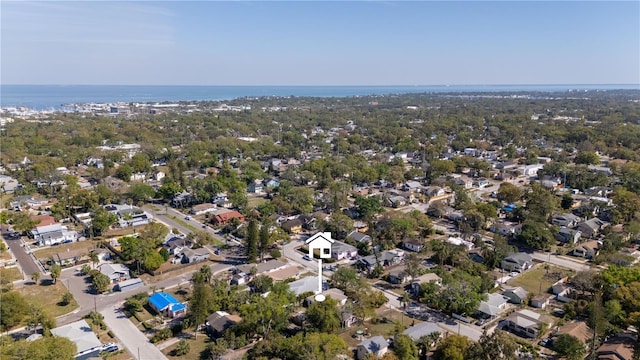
pixel 94 258
pixel 206 272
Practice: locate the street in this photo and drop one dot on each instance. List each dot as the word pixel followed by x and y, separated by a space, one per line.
pixel 133 340
pixel 575 265
pixel 25 261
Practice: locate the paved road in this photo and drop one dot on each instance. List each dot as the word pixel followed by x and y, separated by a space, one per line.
pixel 133 340
pixel 25 261
pixel 561 261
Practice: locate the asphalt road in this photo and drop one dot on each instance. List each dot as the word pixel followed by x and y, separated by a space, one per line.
pixel 133 340
pixel 25 261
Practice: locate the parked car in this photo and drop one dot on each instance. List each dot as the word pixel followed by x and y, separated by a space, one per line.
pixel 482 321
pixel 110 347
pixel 307 257
pixel 187 218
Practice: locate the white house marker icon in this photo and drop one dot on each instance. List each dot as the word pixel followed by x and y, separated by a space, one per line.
pixel 321 241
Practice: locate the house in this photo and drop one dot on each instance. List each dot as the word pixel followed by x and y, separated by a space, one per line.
pixel 568 220
pixel 292 226
pixel 592 227
pixel 194 255
pixel 434 191
pixel 8 184
pixel 271 183
pixel 202 209
pixel 165 304
pixel 376 346
pixel 218 322
pixel 587 250
pixel 222 200
pixel 525 323
pixel 493 306
pixel 417 331
pixel 413 244
pixel 81 334
pixel 223 218
pixel 425 279
pixel 340 250
pixel 540 301
pixel 518 262
pixel 567 235
pixel 458 241
pixel 53 234
pixel 412 186
pixel 481 183
pixel 177 244
pixel 561 291
pixel 115 272
pixel 516 295
pixel 307 284
pixel 256 187
pixel 128 285
pixel 321 241
pixel 619 347
pixel 398 275
pixel 336 294
pixel 504 229
pixel 578 329
pixel 359 237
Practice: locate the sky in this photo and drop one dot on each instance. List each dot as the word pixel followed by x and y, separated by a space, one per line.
pixel 319 43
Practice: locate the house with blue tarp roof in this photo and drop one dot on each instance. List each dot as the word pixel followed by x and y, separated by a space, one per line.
pixel 167 305
pixel 509 207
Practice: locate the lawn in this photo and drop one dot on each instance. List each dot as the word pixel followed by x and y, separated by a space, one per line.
pixel 48 297
pixel 8 275
pixel 384 325
pixel 51 251
pixel 197 346
pixel 255 202
pixel 539 279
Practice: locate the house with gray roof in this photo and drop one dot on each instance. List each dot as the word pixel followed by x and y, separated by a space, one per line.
pixel 518 262
pixel 359 237
pixel 417 331
pixel 81 334
pixel 516 295
pixel 376 346
pixel 525 323
pixel 340 250
pixel 493 306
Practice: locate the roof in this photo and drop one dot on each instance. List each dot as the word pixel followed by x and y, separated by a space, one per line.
pixel 622 345
pixel 221 320
pixel 284 273
pixel 519 292
pixel 48 228
pixel 374 344
pixel 110 269
pixel 579 330
pixel 525 318
pixel 358 236
pixel 338 247
pixel 306 284
pixel 520 258
pixel 262 267
pixel 336 294
pixel 428 277
pixel 163 300
pixel 425 328
pixel 79 333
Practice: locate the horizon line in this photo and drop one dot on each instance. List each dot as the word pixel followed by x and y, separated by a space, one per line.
pixel 352 85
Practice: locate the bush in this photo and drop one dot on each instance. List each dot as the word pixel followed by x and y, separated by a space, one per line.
pixel 163 334
pixel 183 348
pixel 275 253
pixel 111 334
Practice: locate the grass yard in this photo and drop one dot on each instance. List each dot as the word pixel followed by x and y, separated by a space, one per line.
pixel 48 297
pixel 196 345
pixel 8 275
pixel 539 278
pixel 254 202
pixel 384 326
pixel 51 251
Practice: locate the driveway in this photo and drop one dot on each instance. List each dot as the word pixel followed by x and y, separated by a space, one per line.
pixel 133 340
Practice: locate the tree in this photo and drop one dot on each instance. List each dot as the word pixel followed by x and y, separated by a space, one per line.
pixel 536 235
pixel 568 346
pixel 454 347
pixel 124 172
pixel 85 269
pixel 369 206
pixel 405 348
pixel 94 258
pixel 13 308
pixel 339 225
pixel 261 284
pixel 201 299
pixel 100 282
pixel 252 241
pixel 67 297
pixel 324 316
pixel 509 193
pixel 102 220
pixel 567 201
pixel 141 192
pixel 412 266
pixel 55 271
pixel 35 276
pixel 498 345
pixel 265 238
pixel 45 348
pixel 587 158
pixel 183 348
pixel 345 278
pixel 540 203
pixel 22 222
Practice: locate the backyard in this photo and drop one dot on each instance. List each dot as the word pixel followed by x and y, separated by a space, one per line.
pixel 540 279
pixel 49 297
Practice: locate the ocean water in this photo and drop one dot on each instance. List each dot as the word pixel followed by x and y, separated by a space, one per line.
pixel 43 97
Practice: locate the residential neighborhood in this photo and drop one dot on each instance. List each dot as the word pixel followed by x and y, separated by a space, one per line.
pixel 334 235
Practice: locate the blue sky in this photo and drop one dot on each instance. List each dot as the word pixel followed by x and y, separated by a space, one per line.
pixel 320 43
